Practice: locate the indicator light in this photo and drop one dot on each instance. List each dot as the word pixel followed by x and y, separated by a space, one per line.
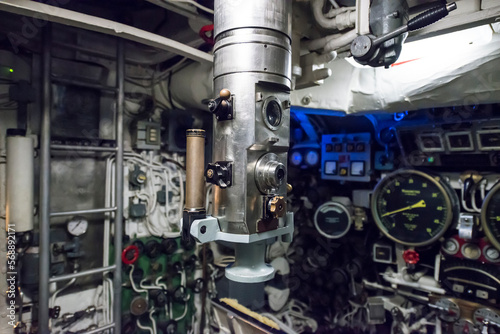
pixel 11 70
pixel 430 159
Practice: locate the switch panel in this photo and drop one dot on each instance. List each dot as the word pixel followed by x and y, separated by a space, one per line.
pixel 346 157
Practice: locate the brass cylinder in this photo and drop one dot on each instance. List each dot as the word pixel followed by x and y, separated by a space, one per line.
pixel 195 169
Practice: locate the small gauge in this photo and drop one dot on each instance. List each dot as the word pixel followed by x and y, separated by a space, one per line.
pixel 413 208
pixel 312 158
pixel 490 215
pixel 77 226
pixel 296 158
pixel 465 326
pixel 491 254
pixel 448 310
pixel 332 220
pixel 450 246
pixel 486 315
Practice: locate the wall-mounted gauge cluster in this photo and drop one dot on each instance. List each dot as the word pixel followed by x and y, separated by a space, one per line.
pixel 413 208
pixel 305 156
pixel 346 157
pixel 474 145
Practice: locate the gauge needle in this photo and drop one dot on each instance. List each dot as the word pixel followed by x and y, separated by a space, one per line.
pixel 420 204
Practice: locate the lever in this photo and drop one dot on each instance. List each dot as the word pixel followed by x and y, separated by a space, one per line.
pixel 363 47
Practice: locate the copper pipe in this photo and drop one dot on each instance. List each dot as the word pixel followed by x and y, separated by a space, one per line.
pixel 195 170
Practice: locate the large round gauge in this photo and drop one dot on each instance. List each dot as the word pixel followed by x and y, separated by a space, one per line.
pixel 490 215
pixel 412 207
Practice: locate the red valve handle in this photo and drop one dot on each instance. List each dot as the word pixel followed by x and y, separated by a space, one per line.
pixel 132 248
pixel 207 33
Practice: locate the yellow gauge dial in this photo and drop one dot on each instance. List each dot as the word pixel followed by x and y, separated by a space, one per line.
pixel 412 207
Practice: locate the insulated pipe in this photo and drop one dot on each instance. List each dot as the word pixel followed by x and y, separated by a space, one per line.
pixel 118 236
pixel 195 167
pixel 20 178
pixel 44 225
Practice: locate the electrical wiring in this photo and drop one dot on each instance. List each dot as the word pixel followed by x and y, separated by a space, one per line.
pixel 194 3
pixel 52 300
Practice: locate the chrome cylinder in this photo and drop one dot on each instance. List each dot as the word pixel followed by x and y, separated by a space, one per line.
pixel 252 59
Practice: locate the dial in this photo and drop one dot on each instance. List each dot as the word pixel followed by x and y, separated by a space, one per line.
pixel 486 315
pixel 412 207
pixel 332 220
pixel 77 226
pixel 448 310
pixel 490 215
pixel 312 158
pixel 296 158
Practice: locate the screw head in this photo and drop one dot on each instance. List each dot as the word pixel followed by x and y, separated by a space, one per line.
pixel 210 173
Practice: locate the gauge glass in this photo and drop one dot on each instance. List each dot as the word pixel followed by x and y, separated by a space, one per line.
pixel 296 158
pixel 485 315
pixel 449 310
pixel 492 254
pixel 77 226
pixel 312 158
pixel 332 220
pixel 412 207
pixel 490 215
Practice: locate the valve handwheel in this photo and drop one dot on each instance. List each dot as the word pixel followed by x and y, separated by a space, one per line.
pixel 132 249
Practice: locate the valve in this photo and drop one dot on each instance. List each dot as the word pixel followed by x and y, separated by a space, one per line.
pixel 222 107
pixel 365 48
pixel 219 173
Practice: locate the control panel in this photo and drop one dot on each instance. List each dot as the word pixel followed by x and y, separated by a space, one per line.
pixel 346 157
pixel 474 143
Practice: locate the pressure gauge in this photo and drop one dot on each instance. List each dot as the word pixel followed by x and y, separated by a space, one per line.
pixel 490 215
pixel 448 310
pixel 412 207
pixel 296 158
pixel 333 219
pixel 77 226
pixel 312 158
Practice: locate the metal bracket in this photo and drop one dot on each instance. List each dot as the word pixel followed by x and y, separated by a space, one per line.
pixel 207 230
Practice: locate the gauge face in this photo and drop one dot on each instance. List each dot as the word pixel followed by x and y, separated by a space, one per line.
pixel 485 315
pixel 412 208
pixel 296 158
pixel 332 220
pixel 490 215
pixel 449 310
pixel 77 226
pixel 312 158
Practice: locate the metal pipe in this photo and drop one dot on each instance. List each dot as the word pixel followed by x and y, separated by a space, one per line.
pixel 81 274
pixel 195 167
pixel 82 148
pixel 117 277
pixel 100 329
pixel 44 200
pixel 83 84
pixel 81 212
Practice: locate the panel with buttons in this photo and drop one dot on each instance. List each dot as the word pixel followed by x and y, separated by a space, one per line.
pixel 346 157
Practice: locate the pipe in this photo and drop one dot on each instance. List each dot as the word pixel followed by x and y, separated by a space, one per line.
pixel 340 19
pixel 117 277
pixel 344 40
pixel 44 225
pixel 82 274
pixel 82 148
pixel 195 167
pixel 82 212
pixel 19 181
